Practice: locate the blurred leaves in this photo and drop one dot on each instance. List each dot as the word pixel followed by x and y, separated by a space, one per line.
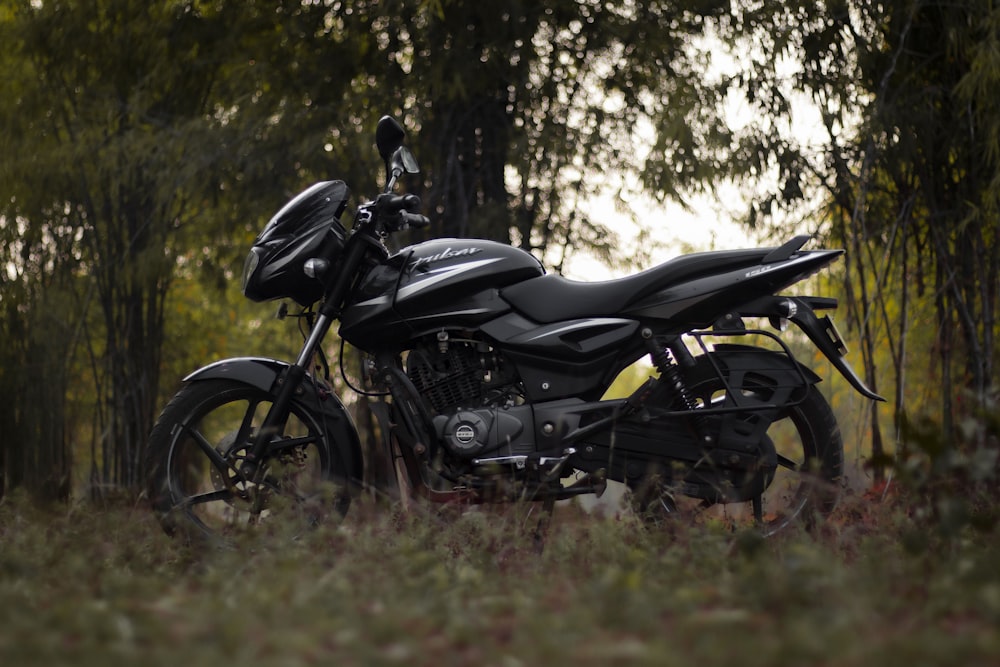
pixel 146 143
pixel 952 483
pixel 101 584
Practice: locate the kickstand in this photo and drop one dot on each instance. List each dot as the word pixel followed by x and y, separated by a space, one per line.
pixel 542 527
pixel 758 510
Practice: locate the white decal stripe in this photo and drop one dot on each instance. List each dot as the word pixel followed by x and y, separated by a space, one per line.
pixel 377 301
pixel 585 324
pixel 445 273
pixel 453 313
pixel 784 264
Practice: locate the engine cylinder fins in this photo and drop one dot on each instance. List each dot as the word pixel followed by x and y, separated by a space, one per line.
pixel 447 379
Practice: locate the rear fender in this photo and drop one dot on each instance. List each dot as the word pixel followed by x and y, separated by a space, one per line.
pixel 743 366
pixel 264 374
pixel 820 330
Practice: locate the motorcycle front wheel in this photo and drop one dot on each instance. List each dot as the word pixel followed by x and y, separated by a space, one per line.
pixel 193 465
pixel 805 485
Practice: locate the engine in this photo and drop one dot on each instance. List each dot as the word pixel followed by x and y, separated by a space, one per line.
pixel 475 397
pixel 449 374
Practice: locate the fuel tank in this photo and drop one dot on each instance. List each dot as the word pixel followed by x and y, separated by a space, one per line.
pixel 431 285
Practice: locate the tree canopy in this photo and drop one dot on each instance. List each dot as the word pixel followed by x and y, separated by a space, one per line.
pixel 904 168
pixel 148 141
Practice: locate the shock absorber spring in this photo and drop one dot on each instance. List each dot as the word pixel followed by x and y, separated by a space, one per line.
pixel 671 374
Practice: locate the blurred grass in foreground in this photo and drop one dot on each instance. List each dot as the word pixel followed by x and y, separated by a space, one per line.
pixel 89 585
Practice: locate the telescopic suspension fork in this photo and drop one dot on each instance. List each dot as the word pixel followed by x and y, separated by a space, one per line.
pixel 339 284
pixel 288 388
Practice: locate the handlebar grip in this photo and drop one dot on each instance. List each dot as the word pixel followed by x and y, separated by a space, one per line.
pixel 398 212
pixel 411 203
pixel 414 220
pixel 391 204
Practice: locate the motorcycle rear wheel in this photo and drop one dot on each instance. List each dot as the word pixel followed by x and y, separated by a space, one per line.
pixel 806 483
pixel 195 450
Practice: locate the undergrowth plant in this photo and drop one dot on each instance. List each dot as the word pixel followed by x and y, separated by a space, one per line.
pixel 951 483
pixel 102 585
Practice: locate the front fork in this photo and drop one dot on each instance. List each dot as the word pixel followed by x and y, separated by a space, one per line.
pixel 288 385
pixel 363 238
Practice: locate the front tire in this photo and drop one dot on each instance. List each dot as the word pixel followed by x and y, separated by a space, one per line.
pixel 198 444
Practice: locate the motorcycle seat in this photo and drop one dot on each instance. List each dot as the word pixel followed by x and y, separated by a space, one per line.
pixel 553 298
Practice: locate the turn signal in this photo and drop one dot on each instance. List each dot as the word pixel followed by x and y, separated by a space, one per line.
pixel 315 267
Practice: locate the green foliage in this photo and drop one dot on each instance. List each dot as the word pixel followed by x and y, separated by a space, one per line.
pixel 148 142
pixel 142 136
pixel 102 585
pixel 34 416
pixel 952 483
pixel 630 380
pixel 901 168
pixel 522 111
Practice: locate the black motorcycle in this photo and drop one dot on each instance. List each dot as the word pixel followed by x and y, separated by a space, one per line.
pixel 488 377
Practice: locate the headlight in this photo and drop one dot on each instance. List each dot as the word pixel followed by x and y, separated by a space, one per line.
pixel 249 266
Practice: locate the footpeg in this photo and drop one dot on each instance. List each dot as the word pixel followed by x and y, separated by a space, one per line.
pixel 594 482
pixel 553 463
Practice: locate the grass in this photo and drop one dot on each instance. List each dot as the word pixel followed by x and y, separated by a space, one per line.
pixel 85 585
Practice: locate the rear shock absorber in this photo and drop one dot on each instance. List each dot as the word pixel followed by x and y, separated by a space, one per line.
pixel 670 373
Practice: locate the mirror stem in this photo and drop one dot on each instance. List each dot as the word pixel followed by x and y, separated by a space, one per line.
pixel 394 176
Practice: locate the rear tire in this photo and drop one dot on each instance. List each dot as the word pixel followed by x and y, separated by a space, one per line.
pixel 198 444
pixel 806 486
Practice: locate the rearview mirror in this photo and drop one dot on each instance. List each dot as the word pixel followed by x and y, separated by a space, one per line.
pixel 389 137
pixel 403 162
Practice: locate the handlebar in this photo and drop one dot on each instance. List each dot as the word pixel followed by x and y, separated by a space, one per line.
pixel 391 204
pixel 398 212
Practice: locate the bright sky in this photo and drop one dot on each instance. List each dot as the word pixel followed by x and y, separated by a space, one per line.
pixel 707 226
pixel 709 223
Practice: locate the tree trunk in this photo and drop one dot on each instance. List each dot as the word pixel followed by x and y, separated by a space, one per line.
pixel 469 195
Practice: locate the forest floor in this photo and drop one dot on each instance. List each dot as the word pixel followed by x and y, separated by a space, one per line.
pixel 101 585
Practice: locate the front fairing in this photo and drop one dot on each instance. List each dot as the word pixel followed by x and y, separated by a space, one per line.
pixel 307 227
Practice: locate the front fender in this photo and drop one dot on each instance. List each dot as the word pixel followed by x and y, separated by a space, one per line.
pixel 264 373
pixel 258 372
